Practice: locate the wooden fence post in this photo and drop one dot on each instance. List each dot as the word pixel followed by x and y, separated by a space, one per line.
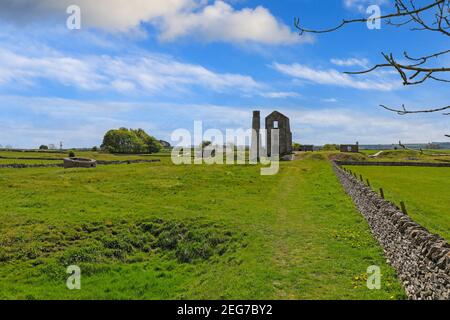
pixel 382 193
pixel 403 206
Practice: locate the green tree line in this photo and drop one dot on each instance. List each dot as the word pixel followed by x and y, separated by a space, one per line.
pixel 125 140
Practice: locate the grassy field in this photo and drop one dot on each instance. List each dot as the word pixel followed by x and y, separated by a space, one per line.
pixel 21 161
pixel 424 190
pixel 409 155
pixel 16 157
pixel 159 231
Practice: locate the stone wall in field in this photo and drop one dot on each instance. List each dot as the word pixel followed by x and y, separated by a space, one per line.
pixel 29 158
pixel 23 166
pixel 100 162
pixel 421 259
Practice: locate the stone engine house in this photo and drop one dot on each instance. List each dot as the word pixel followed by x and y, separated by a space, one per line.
pixel 275 120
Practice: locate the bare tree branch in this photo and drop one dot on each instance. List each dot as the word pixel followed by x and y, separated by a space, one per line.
pixel 402 111
pixel 423 73
pixel 434 16
pixel 402 11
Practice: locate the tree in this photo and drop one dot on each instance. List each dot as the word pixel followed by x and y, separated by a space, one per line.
pixel 124 140
pixel 433 16
pixel 296 146
pixel 330 147
pixel 151 145
pixel 43 147
pixel 206 144
pixel 121 141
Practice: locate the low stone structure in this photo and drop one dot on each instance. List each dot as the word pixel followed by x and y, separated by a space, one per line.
pixel 79 163
pixel 354 148
pixel 103 162
pixel 307 148
pixel 421 259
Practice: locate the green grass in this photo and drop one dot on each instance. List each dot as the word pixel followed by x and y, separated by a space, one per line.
pixel 422 189
pixel 13 156
pixel 409 155
pixel 159 231
pixel 387 156
pixel 21 161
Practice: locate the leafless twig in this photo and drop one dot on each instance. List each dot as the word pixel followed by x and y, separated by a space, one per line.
pixel 434 16
pixel 403 10
pixel 402 111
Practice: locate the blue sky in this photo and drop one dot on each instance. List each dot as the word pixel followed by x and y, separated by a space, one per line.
pixel 162 64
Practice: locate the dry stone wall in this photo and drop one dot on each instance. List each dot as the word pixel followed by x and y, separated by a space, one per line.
pixel 421 259
pixel 23 166
pixel 100 162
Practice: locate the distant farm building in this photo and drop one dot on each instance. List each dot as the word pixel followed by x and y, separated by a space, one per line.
pixel 354 148
pixel 307 148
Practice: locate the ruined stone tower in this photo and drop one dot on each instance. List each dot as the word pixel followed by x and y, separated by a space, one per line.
pixel 256 126
pixel 277 120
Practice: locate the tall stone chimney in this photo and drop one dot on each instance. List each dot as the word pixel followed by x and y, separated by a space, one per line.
pixel 256 126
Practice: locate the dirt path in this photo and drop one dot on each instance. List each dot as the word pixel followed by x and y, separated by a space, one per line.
pixel 289 229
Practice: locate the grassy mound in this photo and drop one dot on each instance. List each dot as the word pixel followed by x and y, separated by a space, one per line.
pixel 311 156
pixel 333 156
pixel 401 154
pixel 188 241
pixel 348 157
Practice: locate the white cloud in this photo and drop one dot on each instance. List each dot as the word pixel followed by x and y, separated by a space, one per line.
pixel 336 78
pixel 280 95
pixel 143 73
pixel 350 62
pixel 218 21
pixel 114 15
pixel 345 126
pixel 83 123
pixel 330 100
pixel 76 123
pixel 221 22
pixel 362 5
pixel 123 86
pixel 154 73
pixel 65 70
